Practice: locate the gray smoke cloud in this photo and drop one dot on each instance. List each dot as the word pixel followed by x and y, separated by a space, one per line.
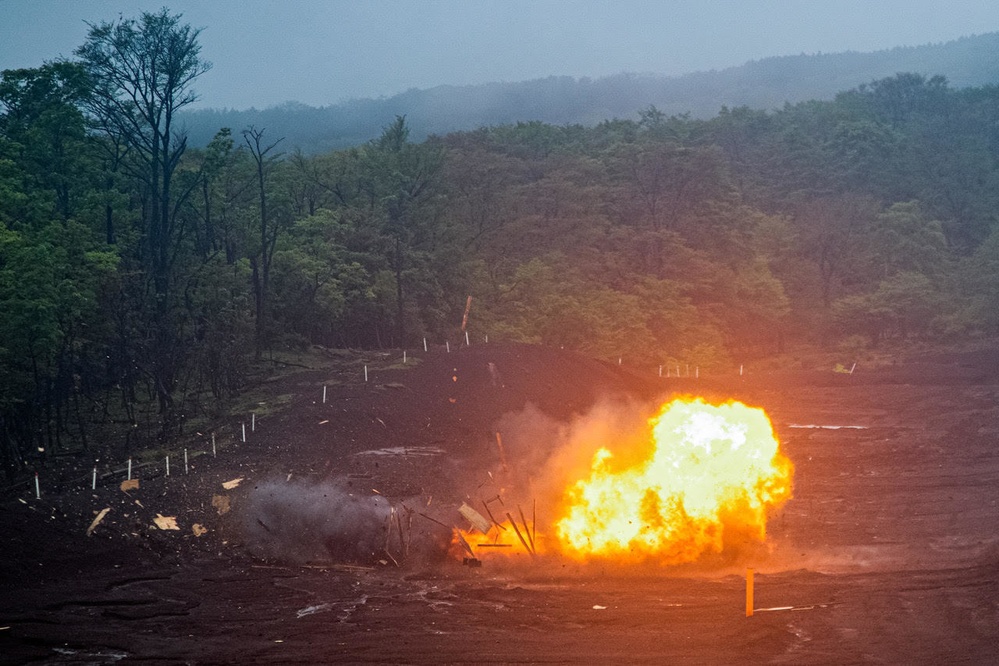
pixel 302 522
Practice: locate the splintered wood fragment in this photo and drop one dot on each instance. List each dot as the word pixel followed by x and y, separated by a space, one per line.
pixel 97 520
pixel 433 520
pixel 130 484
pixel 409 527
pixel 229 485
pixel 342 567
pixel 403 544
pixel 166 522
pixel 519 535
pixel 462 541
pixel 502 453
pixel 474 517
pixel 221 504
pixel 494 545
pixel 527 530
pixel 791 608
pixel 534 521
pixel 491 517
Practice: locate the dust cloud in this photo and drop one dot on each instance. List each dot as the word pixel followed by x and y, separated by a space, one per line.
pixel 304 522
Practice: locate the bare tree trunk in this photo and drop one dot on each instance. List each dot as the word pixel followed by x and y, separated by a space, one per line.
pixel 261 262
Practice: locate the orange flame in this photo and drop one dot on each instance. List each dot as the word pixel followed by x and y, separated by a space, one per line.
pixel 508 537
pixel 715 471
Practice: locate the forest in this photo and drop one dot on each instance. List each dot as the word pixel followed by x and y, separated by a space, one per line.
pixel 142 279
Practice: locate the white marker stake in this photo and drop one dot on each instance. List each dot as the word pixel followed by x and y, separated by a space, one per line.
pixel 677 369
pixel 168 465
pixel 253 422
pixel 487 339
pixel 324 394
pixel 213 444
pixel 619 360
pixel 740 369
pixel 93 483
pixel 38 490
pixel 467 343
pixel 185 461
pixel 447 345
pixel 244 433
pixel 424 344
pixel 365 373
pixel 852 368
pixel 129 469
pixel 404 357
pixel 660 371
pixel 697 372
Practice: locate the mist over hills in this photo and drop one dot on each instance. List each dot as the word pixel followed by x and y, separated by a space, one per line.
pixel 767 84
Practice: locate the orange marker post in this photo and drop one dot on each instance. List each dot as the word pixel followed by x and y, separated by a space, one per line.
pixel 749 593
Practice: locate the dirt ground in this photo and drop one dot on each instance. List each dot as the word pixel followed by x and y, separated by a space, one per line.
pixel 330 549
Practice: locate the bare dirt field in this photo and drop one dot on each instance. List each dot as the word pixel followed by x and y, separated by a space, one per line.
pixel 333 545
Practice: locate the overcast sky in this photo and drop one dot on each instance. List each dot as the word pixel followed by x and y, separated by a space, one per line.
pixel 321 52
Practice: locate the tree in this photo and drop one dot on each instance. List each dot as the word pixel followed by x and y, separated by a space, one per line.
pixel 898 98
pixel 42 119
pixel 833 234
pixel 903 304
pixel 261 260
pixel 50 332
pixel 215 159
pixel 401 181
pixel 141 72
pixel 904 239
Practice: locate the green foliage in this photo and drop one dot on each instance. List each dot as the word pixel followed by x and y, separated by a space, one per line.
pixel 903 304
pixel 136 271
pixel 323 289
pixel 977 283
pixel 44 139
pixel 905 240
pixel 49 284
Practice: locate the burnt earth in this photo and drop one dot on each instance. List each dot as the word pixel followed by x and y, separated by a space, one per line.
pixel 887 552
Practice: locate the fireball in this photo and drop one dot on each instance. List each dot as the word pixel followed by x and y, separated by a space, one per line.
pixel 714 473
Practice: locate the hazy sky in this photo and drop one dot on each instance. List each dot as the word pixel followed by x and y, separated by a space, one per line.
pixel 326 51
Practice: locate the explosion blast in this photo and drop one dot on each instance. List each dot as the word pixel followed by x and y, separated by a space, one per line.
pixel 713 474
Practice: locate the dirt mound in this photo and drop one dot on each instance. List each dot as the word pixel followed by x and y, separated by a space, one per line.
pixel 285 542
pixel 412 430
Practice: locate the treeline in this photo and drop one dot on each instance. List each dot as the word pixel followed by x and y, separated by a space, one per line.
pixel 766 84
pixel 141 278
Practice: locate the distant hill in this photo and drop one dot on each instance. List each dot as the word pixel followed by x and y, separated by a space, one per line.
pixel 762 84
